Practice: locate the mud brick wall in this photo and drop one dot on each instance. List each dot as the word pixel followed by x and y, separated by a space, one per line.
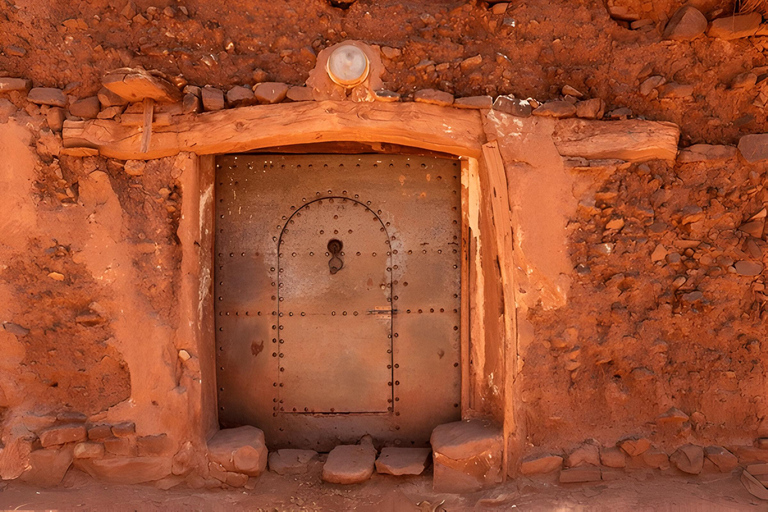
pixel 645 316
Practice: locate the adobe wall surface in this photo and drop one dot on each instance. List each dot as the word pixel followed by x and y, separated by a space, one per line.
pixel 640 286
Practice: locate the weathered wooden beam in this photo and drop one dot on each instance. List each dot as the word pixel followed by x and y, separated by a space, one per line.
pixel 502 223
pixel 633 140
pixel 457 132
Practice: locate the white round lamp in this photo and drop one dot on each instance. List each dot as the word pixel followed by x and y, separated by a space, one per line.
pixel 348 66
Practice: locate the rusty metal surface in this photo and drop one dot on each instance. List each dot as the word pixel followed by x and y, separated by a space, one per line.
pixel 352 327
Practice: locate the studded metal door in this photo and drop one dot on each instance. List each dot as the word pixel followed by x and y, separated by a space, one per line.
pixel 334 314
pixel 337 283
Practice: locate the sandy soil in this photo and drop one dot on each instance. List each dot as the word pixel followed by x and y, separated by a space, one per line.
pixel 638 492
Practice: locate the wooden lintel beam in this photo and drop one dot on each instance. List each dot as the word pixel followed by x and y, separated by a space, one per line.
pixel 454 131
pixel 632 140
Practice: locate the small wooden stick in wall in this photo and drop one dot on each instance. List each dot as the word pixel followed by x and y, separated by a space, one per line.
pixel 149 114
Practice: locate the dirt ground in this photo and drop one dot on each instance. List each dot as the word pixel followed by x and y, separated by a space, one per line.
pixel 638 491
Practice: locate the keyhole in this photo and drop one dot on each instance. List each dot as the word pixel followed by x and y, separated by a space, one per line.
pixel 335 263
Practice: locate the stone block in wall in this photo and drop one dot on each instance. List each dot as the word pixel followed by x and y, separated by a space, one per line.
pixel 580 474
pixel 47 96
pixel 99 432
pixel 635 447
pixel 541 464
pixel 240 450
pixel 88 450
pixel 722 458
pixel 466 456
pixel 63 434
pixel 87 108
pixel 157 444
pixel 124 429
pixel 47 467
pixel 120 446
pixel 270 92
pixel 613 457
pixel 8 84
pixel 126 470
pixel 689 459
pixel 586 454
pixel 656 458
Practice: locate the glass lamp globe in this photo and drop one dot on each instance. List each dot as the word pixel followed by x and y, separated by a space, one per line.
pixel 348 66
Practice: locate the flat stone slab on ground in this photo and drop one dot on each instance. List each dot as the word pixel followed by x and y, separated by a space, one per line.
pixel 349 464
pixel 403 461
pixel 290 461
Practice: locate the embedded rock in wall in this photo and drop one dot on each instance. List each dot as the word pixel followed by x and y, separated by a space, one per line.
pixel 240 450
pixel 126 470
pixel 466 455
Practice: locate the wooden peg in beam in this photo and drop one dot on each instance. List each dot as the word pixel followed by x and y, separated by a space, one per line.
pixel 149 114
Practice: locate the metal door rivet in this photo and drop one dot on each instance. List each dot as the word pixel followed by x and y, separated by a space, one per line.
pixel 282 369
pixel 355 313
pixel 357 196
pixel 282 341
pixel 396 335
pixel 389 367
pixel 282 355
pixel 407 310
pixel 374 254
pixel 439 251
pixel 389 383
pixel 397 383
pixel 303 314
pixel 274 354
pixel 396 297
pixel 333 313
pixel 455 365
pixel 344 313
pixel 290 314
pixel 358 253
pixel 455 327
